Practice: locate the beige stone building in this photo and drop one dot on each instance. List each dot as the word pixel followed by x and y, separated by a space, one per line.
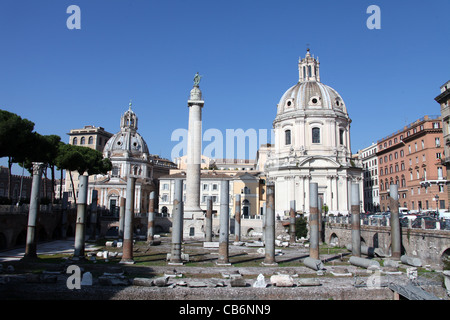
pixel 244 180
pixel 89 136
pixel 128 153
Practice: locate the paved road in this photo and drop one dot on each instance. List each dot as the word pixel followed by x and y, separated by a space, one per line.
pixel 53 247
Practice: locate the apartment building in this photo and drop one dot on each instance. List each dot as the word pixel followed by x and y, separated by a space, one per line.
pixel 411 158
pixel 371 187
pixel 444 100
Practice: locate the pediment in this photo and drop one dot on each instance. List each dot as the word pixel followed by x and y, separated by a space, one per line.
pixel 319 162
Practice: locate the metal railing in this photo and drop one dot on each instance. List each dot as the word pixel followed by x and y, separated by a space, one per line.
pixel 418 223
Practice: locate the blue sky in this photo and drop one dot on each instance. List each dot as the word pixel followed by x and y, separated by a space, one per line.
pixel 246 50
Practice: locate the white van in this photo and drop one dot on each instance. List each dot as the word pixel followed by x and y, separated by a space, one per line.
pixel 403 210
pixel 444 215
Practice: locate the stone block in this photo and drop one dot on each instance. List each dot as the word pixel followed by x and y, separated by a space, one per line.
pixel 144 282
pixel 86 279
pixel 161 281
pixel 208 244
pixel 260 282
pixel 308 282
pixel 237 281
pixel 282 280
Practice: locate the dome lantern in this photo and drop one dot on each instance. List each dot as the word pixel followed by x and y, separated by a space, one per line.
pixel 129 119
pixel 308 68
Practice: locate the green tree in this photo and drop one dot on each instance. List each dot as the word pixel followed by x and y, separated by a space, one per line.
pixel 81 159
pixel 44 149
pixel 301 229
pixel 16 139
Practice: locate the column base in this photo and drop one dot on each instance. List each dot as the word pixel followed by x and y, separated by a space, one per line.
pixel 223 263
pixel 175 263
pixel 127 261
pixel 30 257
pixel 269 264
pixel 78 258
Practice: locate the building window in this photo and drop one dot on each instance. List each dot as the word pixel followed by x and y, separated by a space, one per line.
pixel 115 171
pixel 287 137
pixel 341 136
pixel 438 142
pixel 165 186
pixel 439 172
pixel 90 140
pixel 75 140
pixel 82 140
pixel 402 153
pixel 315 135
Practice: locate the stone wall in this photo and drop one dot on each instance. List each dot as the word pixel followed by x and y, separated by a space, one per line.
pixel 428 245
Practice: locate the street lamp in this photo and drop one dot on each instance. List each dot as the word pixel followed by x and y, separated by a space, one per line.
pixel 437 204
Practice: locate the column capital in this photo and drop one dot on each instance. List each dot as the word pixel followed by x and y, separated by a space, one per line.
pixel 38 167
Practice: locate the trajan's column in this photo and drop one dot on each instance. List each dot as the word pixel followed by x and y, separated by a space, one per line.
pixel 194 219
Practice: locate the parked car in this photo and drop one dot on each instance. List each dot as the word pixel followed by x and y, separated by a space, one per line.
pixel 430 222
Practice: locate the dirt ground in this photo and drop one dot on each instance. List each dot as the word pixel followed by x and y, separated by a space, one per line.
pixel 201 278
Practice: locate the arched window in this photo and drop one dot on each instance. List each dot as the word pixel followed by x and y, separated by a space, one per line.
pixel 82 140
pixel 315 135
pixel 287 137
pixel 90 140
pixel 75 140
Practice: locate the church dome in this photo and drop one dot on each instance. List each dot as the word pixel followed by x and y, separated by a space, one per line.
pixel 127 141
pixel 309 93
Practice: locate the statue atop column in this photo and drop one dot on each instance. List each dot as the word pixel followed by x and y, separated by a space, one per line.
pixel 197 79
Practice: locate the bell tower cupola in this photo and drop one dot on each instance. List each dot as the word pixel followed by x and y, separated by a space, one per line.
pixel 308 68
pixel 129 120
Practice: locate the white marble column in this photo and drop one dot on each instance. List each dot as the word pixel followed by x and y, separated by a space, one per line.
pixel 193 214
